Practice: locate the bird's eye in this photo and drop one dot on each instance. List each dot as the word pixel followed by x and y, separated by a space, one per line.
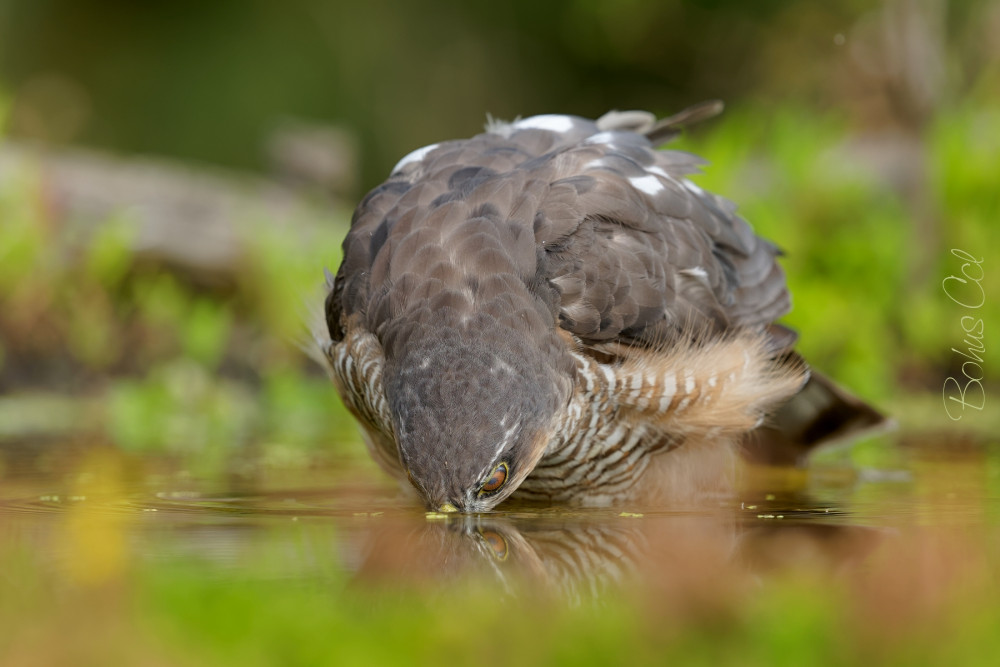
pixel 496 480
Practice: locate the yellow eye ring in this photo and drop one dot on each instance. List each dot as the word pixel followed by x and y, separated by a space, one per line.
pixel 496 480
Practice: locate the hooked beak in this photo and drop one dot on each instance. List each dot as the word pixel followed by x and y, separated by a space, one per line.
pixel 447 507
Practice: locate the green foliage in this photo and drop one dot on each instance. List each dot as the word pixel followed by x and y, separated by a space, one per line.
pixel 109 253
pixel 303 412
pixel 179 408
pixel 865 302
pixel 22 249
pixel 177 357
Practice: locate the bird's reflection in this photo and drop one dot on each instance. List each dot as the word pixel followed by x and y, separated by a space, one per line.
pixel 576 556
pixel 583 555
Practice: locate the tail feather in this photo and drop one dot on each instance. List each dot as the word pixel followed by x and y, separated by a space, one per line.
pixel 820 414
pixel 668 128
pixel 660 131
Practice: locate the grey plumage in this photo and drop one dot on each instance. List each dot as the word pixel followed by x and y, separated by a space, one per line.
pixel 560 214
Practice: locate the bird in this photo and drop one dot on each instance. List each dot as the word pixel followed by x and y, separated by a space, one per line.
pixel 553 311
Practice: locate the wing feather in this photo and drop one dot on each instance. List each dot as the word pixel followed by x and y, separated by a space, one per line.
pixel 607 232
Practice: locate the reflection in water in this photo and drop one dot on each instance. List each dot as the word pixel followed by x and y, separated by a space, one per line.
pixel 573 557
pixel 584 557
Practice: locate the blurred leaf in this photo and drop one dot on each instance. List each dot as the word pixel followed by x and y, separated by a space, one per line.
pixel 180 409
pixel 288 274
pixel 305 412
pixel 92 336
pixel 109 252
pixel 23 237
pixel 205 331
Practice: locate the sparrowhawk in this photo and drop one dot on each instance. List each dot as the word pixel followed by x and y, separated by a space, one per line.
pixel 552 309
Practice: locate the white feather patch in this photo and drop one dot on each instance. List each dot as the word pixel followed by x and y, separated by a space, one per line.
pixel 692 187
pixel 609 375
pixel 414 156
pixel 697 272
pixel 601 138
pixel 659 171
pixel 667 391
pixel 551 122
pixel 648 184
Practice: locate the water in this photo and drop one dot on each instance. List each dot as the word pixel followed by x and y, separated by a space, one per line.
pixel 827 515
pixel 871 549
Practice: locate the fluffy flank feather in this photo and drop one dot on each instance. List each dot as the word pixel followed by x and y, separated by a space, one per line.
pixel 719 387
pixel 314 339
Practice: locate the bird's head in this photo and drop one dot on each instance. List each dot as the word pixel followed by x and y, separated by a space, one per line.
pixel 472 418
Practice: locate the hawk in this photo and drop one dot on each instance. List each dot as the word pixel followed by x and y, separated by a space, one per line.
pixel 552 309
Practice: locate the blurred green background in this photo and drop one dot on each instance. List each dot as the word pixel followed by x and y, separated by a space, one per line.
pixel 175 176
